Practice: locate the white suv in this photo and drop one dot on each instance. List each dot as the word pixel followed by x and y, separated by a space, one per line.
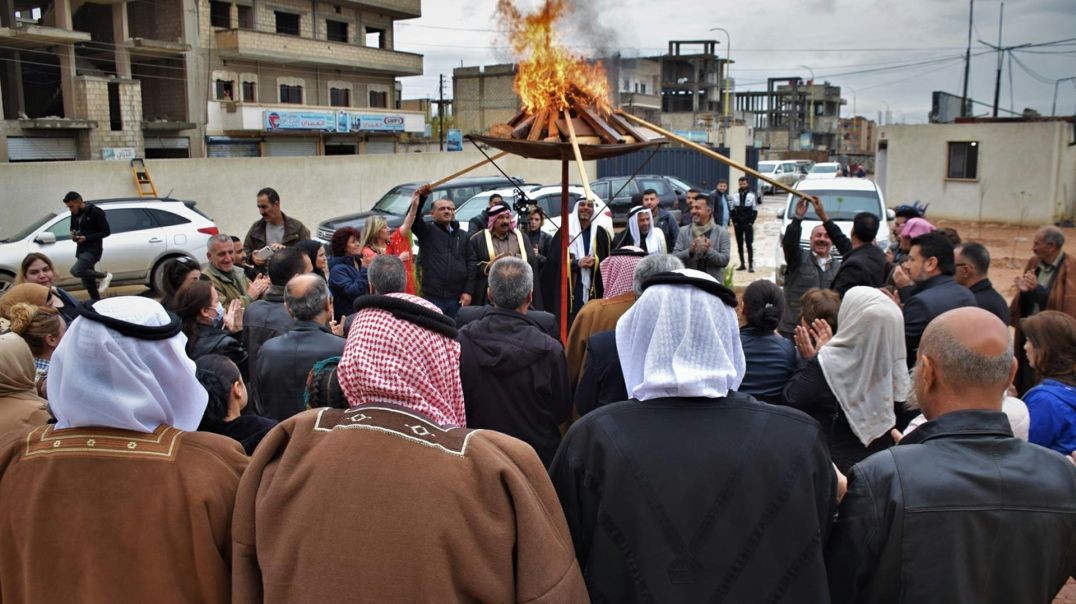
pixel 842 199
pixel 145 233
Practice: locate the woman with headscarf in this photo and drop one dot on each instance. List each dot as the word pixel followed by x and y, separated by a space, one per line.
pixel 37 268
pixel 857 382
pixel 227 399
pixel 208 326
pixel 27 293
pixel 122 469
pixel 484 495
pixel 378 239
pixel 315 250
pixel 20 406
pixel 641 232
pixel 691 491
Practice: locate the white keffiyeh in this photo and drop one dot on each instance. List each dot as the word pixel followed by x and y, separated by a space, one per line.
pixel 865 363
pixel 680 341
pixel 576 247
pixel 655 239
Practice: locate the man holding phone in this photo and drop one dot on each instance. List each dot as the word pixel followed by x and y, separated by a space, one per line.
pixel 274 230
pixel 89 227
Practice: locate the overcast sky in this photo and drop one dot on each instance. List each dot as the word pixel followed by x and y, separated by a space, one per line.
pixel 898 51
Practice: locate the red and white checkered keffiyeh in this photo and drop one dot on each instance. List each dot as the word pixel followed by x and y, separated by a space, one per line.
pixel 388 360
pixel 617 273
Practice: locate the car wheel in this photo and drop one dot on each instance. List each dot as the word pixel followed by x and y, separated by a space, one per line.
pixel 7 280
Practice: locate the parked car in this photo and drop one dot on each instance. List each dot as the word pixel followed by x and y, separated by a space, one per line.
pixel 842 199
pixel 145 233
pixel 671 193
pixel 548 198
pixel 393 205
pixel 786 172
pixel 824 170
pixel 804 165
pixel 472 207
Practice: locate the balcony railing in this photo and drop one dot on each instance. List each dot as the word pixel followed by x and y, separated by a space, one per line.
pixel 292 50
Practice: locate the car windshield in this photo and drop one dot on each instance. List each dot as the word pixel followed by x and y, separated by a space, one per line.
pixel 683 186
pixel 395 201
pixel 841 205
pixel 766 167
pixel 820 169
pixel 23 234
pixel 471 208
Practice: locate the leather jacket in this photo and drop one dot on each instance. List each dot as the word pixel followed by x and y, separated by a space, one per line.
pixel 960 511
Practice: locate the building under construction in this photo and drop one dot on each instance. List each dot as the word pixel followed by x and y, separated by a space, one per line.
pixel 794 115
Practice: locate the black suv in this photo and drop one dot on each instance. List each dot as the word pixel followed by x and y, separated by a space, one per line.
pixel 672 193
pixel 393 205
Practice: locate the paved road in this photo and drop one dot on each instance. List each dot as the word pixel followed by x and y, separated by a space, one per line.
pixel 767 234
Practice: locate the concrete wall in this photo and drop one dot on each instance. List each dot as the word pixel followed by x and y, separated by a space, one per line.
pixel 311 189
pixel 1027 171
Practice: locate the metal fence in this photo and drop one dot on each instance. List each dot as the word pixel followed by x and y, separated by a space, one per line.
pixel 688 165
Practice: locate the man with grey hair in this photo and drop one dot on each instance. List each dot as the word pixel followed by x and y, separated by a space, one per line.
pixel 227 277
pixel 514 376
pixel 1048 283
pixel 601 380
pixel 960 510
pixel 285 361
pixel 387 275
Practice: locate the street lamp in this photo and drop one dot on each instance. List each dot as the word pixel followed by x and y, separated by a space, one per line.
pixel 728 66
pixel 1053 109
pixel 810 101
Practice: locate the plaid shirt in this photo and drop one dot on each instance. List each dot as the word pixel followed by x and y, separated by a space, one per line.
pixel 42 366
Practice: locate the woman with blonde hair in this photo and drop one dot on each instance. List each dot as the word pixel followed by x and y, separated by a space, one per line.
pixel 41 327
pixel 378 239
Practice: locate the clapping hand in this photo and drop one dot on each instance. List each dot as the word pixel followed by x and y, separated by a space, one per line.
pixel 233 317
pixel 258 286
pixel 1026 282
pixel 810 339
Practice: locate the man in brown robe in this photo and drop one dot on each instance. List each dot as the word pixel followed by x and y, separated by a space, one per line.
pixel 390 501
pixel 119 501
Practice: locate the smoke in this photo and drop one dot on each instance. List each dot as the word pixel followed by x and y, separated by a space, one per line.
pixel 579 25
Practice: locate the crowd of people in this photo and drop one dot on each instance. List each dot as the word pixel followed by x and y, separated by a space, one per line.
pixel 290 423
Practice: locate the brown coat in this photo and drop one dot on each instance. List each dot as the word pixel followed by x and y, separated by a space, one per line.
pixel 1062 293
pixel 104 515
pixel 596 316
pixel 21 411
pixel 377 504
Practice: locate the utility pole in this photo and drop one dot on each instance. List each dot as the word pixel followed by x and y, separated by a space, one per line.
pixel 441 113
pixel 967 62
pixel 1053 108
pixel 1001 57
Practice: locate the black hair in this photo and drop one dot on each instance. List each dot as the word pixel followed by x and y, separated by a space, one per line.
pixel 495 196
pixel 905 211
pixel 285 264
pixel 722 180
pixel 310 247
pixel 741 179
pixel 235 239
pixel 933 245
pixel 649 192
pixel 72 196
pixel 636 200
pixel 951 234
pixel 175 273
pixel 217 374
pixel 865 227
pixel 694 190
pixel 977 256
pixel 271 194
pixel 323 387
pixel 763 305
pixel 707 198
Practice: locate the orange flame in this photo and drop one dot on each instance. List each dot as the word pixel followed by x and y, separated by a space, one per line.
pixel 549 76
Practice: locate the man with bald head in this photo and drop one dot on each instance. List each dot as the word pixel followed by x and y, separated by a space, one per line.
pixel 1048 283
pixel 960 510
pixel 285 361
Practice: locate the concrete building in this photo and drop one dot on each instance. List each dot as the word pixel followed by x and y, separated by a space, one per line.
pixel 692 91
pixel 999 170
pixel 794 115
pixel 194 78
pixel 483 96
pixel 857 139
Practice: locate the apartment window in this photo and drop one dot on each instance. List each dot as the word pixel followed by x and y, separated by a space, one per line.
pixel 246 17
pixel 250 92
pixel 339 97
pixel 115 117
pixel 375 37
pixel 220 14
pixel 335 31
pixel 964 160
pixel 642 88
pixel 291 94
pixel 379 99
pixel 225 90
pixel 287 23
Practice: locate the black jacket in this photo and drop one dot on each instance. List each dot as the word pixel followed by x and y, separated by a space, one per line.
pixel 808 391
pixel 771 361
pixel 442 257
pixel 925 301
pixel 988 298
pixel 284 364
pixel 547 322
pixel 602 380
pixel 959 512
pixel 515 379
pixel 262 320
pixel 697 500
pixel 541 240
pixel 92 224
pixel 214 340
pixel 865 265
